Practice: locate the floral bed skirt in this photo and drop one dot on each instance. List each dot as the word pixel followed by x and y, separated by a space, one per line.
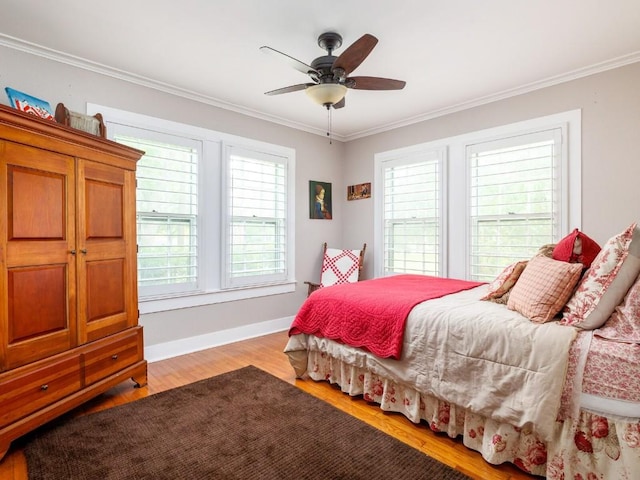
pixel 588 447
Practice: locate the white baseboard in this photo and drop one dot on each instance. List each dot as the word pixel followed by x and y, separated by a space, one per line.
pixel 162 351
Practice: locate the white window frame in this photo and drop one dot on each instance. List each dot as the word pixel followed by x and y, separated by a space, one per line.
pixel 117 130
pixel 548 141
pixel 211 287
pixel 269 155
pixel 456 201
pixel 410 155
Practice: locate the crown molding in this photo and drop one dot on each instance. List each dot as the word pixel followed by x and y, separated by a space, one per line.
pixel 57 56
pixel 79 62
pixel 530 87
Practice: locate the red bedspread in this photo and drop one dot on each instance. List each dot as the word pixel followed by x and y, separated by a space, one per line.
pixel 371 314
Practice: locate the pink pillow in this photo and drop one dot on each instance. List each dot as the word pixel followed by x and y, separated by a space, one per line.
pixel 543 288
pixel 605 284
pixel 576 248
pixel 624 324
pixel 504 282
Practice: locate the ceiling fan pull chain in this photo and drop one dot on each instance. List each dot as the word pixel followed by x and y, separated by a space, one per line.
pixel 329 123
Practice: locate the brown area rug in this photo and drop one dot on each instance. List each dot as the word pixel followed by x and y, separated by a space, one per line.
pixel 245 424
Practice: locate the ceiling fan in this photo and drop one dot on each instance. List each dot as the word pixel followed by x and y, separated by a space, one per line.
pixel 330 74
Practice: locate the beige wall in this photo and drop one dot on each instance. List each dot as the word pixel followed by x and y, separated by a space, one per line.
pixel 610 104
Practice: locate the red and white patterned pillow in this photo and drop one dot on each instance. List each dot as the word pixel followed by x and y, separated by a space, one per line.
pixel 339 266
pixel 624 323
pixel 605 284
pixel 503 283
pixel 543 288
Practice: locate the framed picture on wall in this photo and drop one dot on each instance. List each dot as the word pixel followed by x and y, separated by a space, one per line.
pixel 358 192
pixel 319 200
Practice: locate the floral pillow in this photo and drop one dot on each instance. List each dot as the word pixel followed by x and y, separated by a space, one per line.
pixel 546 250
pixel 605 284
pixel 624 324
pixel 543 288
pixel 499 289
pixel 576 248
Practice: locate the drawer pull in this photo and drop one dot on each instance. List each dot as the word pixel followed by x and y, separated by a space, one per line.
pixel 114 357
pixel 44 387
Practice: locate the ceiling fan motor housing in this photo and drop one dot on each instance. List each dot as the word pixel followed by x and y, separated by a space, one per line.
pixel 323 66
pixel 329 41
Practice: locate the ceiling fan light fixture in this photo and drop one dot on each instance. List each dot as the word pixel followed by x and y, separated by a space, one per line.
pixel 326 93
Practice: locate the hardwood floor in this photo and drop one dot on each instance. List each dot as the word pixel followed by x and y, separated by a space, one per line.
pixel 266 353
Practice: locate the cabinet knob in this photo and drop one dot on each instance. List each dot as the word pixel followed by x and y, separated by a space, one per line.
pixel 114 357
pixel 83 250
pixel 44 387
pixel 72 252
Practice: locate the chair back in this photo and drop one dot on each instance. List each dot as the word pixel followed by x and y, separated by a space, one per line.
pixel 340 266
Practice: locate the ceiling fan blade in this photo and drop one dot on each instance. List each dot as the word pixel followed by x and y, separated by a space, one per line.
pixel 374 83
pixel 291 88
pixel 295 63
pixel 340 104
pixel 353 56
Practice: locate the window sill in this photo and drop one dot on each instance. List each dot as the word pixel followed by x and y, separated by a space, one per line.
pixel 175 302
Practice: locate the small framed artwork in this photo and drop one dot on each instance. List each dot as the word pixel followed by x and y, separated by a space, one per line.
pixel 320 200
pixel 26 103
pixel 358 192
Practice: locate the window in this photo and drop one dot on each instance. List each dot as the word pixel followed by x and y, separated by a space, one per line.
pixel 257 228
pixel 491 198
pixel 514 193
pixel 167 211
pixel 412 219
pixel 214 213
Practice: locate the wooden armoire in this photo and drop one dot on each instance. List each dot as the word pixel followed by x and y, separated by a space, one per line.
pixel 68 281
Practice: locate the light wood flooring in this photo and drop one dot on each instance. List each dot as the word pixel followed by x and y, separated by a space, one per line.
pixel 266 353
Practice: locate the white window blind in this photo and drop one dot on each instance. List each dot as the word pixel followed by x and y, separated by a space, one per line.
pixel 167 212
pixel 412 220
pixel 256 236
pixel 514 199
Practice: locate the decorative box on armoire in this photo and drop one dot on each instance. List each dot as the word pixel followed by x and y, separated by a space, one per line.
pixel 68 281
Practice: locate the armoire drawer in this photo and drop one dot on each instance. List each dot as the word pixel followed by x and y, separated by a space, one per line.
pixel 25 391
pixel 111 354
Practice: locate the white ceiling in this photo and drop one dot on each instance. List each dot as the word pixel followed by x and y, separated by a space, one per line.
pixel 452 53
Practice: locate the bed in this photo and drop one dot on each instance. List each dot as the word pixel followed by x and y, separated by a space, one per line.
pixel 547 378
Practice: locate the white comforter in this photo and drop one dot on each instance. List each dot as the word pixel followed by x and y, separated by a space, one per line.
pixel 475 354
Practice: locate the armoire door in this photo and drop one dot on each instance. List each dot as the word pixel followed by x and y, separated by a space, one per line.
pixel 106 239
pixel 37 282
